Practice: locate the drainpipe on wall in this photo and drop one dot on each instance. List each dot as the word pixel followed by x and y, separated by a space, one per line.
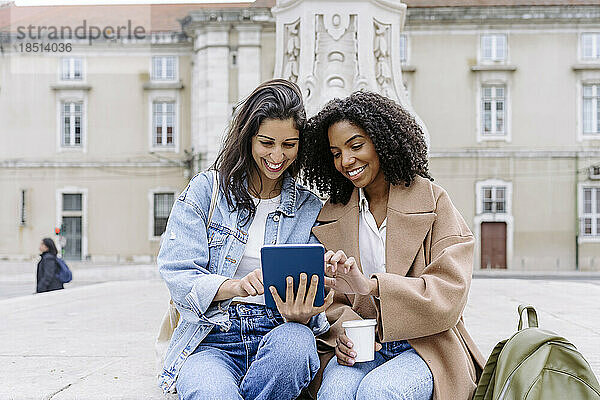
pixel 577 211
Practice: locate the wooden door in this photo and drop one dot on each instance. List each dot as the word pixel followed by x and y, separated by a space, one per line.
pixel 493 245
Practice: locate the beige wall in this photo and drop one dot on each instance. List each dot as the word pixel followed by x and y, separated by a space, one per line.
pixel 118 107
pixel 118 210
pixel 267 53
pixel 118 131
pixel 542 116
pixel 544 119
pixel 267 60
pixel 441 90
pixel 444 89
pixel 28 108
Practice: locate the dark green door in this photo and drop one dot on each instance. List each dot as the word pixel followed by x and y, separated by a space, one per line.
pixel 72 232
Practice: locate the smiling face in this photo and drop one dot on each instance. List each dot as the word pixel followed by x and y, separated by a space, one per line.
pixel 354 154
pixel 275 147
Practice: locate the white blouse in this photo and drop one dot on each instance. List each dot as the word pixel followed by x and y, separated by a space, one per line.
pixel 256 237
pixel 371 239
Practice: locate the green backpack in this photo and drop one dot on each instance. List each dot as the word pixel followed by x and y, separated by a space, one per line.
pixel 535 364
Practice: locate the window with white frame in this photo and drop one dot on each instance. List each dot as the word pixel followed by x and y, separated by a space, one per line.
pixel 72 69
pixel 162 207
pixel 72 224
pixel 403 48
pixel 590 46
pixel 591 109
pixel 72 201
pixel 493 199
pixel 164 68
pixel 493 110
pixel 163 117
pixel 590 218
pixel 493 47
pixel 71 123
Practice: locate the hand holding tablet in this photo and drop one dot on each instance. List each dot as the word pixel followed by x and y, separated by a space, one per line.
pixel 293 275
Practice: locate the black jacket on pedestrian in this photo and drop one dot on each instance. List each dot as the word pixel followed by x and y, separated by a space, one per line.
pixel 46 273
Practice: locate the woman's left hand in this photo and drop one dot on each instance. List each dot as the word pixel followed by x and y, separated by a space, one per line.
pixel 343 275
pixel 300 308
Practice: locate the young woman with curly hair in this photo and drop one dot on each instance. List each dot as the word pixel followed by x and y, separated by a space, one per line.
pixel 228 344
pixel 403 256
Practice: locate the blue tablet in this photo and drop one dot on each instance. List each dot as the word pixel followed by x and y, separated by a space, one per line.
pixel 281 261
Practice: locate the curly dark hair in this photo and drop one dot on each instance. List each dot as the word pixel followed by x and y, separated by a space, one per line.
pixel 398 139
pixel 274 99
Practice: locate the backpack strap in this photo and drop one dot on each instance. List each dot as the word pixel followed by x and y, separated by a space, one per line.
pixel 532 318
pixel 213 199
pixel 485 387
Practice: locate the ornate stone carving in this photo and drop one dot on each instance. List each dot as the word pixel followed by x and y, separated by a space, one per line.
pixel 383 61
pixel 335 71
pixel 336 24
pixel 340 47
pixel 292 51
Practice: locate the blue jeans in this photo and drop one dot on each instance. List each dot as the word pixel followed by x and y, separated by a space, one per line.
pixel 259 357
pixel 396 373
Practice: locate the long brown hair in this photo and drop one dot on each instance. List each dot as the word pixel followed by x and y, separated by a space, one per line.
pixel 274 99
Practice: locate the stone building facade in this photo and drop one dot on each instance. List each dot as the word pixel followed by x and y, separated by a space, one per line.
pixel 101 139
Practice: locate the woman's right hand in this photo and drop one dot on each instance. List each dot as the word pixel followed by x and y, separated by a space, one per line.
pixel 343 350
pixel 343 275
pixel 251 284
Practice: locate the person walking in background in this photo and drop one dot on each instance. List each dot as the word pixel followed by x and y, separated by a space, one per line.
pixel 48 268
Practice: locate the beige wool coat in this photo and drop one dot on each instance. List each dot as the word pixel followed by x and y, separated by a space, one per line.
pixel 429 262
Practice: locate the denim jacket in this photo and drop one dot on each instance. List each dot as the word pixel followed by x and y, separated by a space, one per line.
pixel 194 261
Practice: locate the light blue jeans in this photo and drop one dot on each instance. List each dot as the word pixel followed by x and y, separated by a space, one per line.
pixel 259 357
pixel 396 373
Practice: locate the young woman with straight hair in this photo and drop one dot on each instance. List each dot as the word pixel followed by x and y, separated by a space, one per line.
pixel 47 268
pixel 228 344
pixel 399 252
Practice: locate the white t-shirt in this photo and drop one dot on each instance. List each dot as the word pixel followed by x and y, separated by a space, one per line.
pixel 256 237
pixel 371 239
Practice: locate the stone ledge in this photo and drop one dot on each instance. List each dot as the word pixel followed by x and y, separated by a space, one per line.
pixel 163 85
pixel 493 67
pixel 509 15
pixel 71 86
pixel 586 67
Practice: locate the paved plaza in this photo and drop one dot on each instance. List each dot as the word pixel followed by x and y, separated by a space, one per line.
pixel 95 340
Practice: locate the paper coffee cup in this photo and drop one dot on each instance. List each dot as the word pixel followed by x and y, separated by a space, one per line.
pixel 362 334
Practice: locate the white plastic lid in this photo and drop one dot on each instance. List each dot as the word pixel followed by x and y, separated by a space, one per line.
pixel 358 323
